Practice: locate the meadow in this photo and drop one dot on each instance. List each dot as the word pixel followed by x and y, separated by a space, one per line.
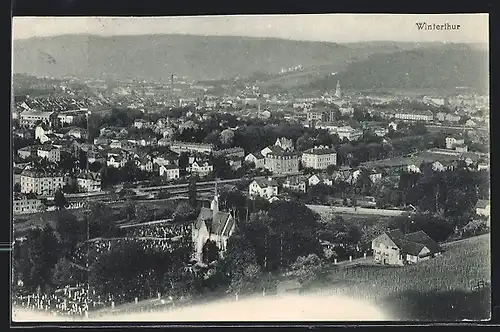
pixel 439 289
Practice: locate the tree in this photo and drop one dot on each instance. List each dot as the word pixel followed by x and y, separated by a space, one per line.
pixel 43 254
pixel 17 187
pixel 240 263
pixel 183 160
pixel 210 252
pixel 307 269
pixel 227 137
pixel 60 201
pixel 184 212
pixel 192 193
pixel 287 231
pixel 100 220
pixel 71 230
pixel 143 213
pixel 82 159
pixel 64 274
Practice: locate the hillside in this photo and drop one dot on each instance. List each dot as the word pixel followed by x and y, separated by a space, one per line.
pixel 445 67
pixel 156 57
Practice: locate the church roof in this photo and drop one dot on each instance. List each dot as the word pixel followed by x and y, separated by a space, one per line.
pixel 215 223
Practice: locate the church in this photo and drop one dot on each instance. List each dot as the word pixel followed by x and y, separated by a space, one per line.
pixel 213 225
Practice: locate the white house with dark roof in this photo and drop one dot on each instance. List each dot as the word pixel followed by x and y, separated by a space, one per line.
pixel 266 188
pixel 116 161
pixel 395 248
pixel 483 207
pixel 89 181
pixel 170 171
pixel 31 118
pixel 200 167
pixel 280 161
pixel 257 158
pixel 319 157
pixel 320 179
pixel 144 164
pixel 49 152
pixel 141 123
pixel 43 133
pixel 212 224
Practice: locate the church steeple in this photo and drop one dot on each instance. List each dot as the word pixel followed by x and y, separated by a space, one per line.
pixel 215 201
pixel 338 93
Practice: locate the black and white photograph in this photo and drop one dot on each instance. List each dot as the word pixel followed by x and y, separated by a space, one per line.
pixel 251 168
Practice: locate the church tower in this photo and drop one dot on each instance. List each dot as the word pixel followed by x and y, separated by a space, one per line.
pixel 338 93
pixel 214 206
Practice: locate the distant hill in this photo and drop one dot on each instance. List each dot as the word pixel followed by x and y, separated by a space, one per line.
pixel 443 67
pixel 156 57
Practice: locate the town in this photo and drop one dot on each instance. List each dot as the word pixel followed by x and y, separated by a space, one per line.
pixel 162 173
pixel 135 170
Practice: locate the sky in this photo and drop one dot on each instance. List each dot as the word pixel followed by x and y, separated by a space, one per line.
pixel 341 28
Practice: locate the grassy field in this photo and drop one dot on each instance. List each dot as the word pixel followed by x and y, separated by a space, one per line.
pixel 438 289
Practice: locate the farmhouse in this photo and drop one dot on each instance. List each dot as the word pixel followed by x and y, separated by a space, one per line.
pixel 266 188
pixel 483 208
pixel 395 248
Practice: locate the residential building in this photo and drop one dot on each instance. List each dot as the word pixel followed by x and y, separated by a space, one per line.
pixel 28 151
pixel 470 123
pixel 348 132
pixel 164 141
pixel 284 143
pixel 461 148
pixel 416 115
pixel 23 204
pixel 141 123
pixel 116 161
pixel 89 181
pixel 234 162
pixel 144 164
pixel 393 125
pixel 212 224
pixel 170 171
pixel 438 167
pixel 41 182
pixel 319 157
pixel 42 131
pixel 77 132
pixel 483 207
pixel 266 188
pixel 295 184
pixel 452 117
pixel 395 248
pixel 316 115
pixel 319 179
pixel 49 152
pixel 31 118
pixel 440 116
pixel 483 166
pixel 375 176
pixel 452 142
pixel 381 132
pixel 179 147
pixel 200 167
pixel 166 159
pixel 257 158
pixel 282 162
